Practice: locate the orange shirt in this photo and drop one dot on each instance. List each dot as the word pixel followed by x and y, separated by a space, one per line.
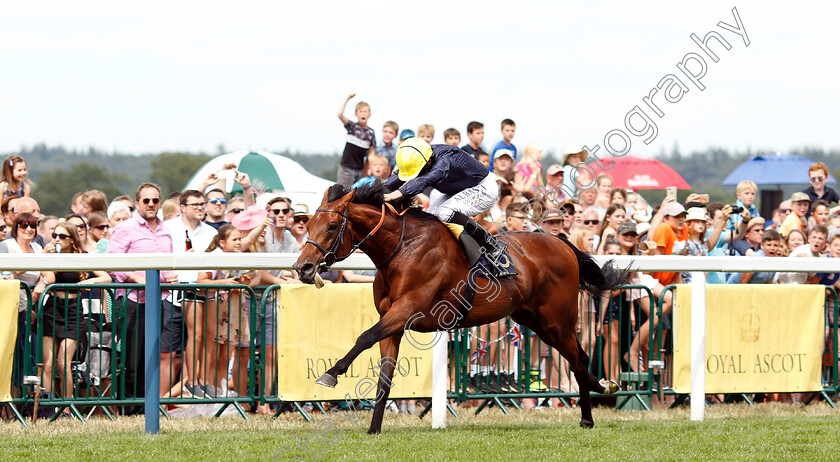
pixel 793 221
pixel 665 236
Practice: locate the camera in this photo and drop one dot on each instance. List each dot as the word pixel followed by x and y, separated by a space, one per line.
pixel 736 208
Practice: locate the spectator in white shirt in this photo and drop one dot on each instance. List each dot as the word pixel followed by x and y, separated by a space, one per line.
pixel 191 234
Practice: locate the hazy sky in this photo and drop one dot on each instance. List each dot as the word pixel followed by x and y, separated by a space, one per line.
pixel 272 75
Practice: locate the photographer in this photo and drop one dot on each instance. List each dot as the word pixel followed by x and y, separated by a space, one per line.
pixel 717 240
pixel 745 191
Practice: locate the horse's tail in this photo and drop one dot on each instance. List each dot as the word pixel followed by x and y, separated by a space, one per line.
pixel 597 279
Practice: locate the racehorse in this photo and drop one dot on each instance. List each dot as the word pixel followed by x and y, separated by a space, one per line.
pixel 422 269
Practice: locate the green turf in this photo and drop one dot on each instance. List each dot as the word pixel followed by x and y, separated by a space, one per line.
pixel 730 432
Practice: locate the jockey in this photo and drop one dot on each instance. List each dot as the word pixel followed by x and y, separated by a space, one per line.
pixel 462 187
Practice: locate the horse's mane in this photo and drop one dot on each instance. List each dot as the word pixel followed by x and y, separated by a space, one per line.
pixel 373 194
pixel 336 192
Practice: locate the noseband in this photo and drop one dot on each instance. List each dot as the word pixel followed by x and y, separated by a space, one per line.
pixel 330 256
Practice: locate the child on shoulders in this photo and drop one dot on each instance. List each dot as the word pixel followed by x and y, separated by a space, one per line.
pixel 14 181
pixel 530 168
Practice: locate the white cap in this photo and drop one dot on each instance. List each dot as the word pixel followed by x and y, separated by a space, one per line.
pixel 672 209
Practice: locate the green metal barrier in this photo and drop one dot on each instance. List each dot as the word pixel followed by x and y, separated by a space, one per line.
pixel 831 358
pixel 95 320
pixel 264 344
pixel 501 363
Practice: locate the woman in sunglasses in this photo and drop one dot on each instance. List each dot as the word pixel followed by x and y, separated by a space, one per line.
pixel 100 230
pixel 62 322
pixel 615 216
pixel 82 229
pixel 100 233
pixel 24 229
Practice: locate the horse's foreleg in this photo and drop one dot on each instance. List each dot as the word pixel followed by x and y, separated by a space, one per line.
pixel 389 348
pixel 392 323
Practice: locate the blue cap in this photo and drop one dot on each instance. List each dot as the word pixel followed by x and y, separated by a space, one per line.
pixel 406 134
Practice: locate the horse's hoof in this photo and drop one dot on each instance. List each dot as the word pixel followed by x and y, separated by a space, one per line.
pixel 374 431
pixel 610 386
pixel 586 424
pixel 327 380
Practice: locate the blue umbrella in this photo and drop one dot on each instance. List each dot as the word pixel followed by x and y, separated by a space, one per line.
pixel 778 170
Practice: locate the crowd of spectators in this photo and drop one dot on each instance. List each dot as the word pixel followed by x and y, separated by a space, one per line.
pixel 203 331
pixel 602 219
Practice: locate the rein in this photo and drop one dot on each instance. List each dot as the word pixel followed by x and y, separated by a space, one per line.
pixel 402 233
pixel 330 256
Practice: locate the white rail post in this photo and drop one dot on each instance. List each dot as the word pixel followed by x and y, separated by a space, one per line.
pixel 698 345
pixel 439 379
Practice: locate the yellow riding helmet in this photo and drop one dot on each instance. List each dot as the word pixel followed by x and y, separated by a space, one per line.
pixel 412 155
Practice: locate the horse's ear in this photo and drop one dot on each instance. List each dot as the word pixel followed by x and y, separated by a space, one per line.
pixel 349 197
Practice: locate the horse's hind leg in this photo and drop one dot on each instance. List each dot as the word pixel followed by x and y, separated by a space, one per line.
pixel 389 348
pixel 568 345
pixel 586 380
pixel 570 348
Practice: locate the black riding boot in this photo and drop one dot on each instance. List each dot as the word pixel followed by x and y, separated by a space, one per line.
pixel 493 248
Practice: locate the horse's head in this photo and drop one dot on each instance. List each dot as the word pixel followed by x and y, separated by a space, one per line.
pixel 330 237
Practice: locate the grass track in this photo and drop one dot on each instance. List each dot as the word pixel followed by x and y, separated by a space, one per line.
pixel 730 432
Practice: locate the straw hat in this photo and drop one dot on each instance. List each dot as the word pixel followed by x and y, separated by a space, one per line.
pixel 301 210
pixel 571 150
pixel 696 213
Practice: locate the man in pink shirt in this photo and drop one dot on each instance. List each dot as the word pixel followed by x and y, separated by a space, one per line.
pixel 145 233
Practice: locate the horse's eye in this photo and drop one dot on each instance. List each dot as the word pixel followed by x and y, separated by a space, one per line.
pixel 332 227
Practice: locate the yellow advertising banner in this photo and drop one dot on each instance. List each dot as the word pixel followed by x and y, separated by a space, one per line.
pixel 759 338
pixel 317 327
pixel 9 301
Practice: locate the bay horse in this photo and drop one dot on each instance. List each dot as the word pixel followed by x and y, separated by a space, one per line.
pixel 421 266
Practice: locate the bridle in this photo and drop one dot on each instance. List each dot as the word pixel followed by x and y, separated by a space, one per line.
pixel 330 256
